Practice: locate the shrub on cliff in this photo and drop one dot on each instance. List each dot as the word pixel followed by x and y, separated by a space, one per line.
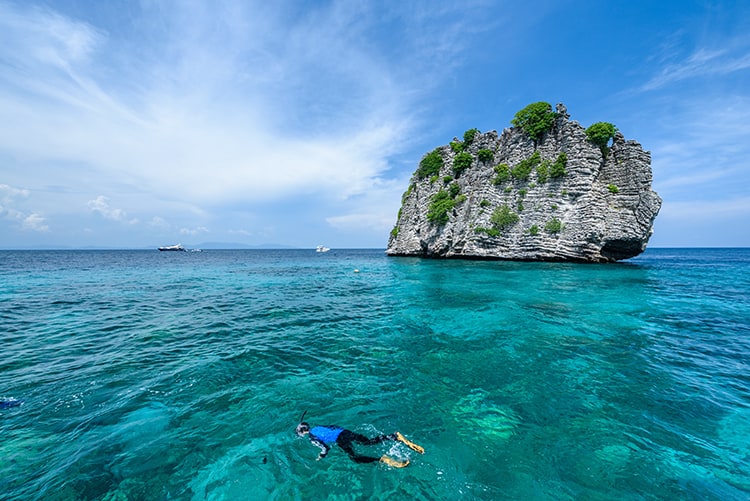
pixel 542 171
pixel 485 155
pixel 558 168
pixel 535 120
pixel 503 173
pixel 461 163
pixel 600 134
pixel 469 136
pixel 553 226
pixel 503 218
pixel 524 167
pixel 431 164
pixel 440 204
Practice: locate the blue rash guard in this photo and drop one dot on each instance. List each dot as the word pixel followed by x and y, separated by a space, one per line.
pixel 326 434
pixel 321 436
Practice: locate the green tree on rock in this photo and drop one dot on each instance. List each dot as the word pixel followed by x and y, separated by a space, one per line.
pixel 502 218
pixel 600 134
pixel 430 165
pixel 469 136
pixel 535 120
pixel 461 162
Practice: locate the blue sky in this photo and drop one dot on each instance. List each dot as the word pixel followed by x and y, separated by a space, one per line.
pixel 133 124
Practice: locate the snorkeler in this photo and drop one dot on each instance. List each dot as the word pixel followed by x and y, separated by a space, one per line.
pixel 322 436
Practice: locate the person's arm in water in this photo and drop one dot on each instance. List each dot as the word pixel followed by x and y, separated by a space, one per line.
pixel 323 447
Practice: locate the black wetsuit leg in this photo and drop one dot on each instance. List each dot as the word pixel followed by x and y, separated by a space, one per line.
pixel 346 438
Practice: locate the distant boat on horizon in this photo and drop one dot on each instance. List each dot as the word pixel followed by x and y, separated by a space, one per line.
pixel 177 247
pixel 320 248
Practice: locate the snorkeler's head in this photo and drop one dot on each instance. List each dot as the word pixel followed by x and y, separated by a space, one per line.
pixel 302 428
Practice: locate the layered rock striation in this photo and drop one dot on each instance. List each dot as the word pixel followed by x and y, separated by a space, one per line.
pixel 561 198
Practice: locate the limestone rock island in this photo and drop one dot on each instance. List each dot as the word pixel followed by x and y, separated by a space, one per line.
pixel 545 189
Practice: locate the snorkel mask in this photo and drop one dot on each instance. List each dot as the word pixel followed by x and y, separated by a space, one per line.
pixel 302 427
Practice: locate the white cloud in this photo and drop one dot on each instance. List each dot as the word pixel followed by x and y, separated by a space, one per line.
pixel 34 222
pixel 101 205
pixel 375 210
pixel 158 222
pixel 215 108
pixel 8 193
pixel 9 198
pixel 190 109
pixel 193 231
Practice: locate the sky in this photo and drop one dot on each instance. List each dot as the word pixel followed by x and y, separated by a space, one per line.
pixel 130 124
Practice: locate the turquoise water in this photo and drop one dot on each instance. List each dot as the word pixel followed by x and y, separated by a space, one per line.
pixel 154 376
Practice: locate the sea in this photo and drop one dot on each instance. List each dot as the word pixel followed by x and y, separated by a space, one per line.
pixel 146 375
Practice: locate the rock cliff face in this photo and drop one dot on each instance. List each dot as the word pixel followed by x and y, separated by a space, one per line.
pixel 594 207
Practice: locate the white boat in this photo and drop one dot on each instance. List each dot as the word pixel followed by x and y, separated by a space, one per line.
pixel 320 248
pixel 177 247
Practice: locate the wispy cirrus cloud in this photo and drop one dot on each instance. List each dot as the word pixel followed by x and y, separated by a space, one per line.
pixel 717 59
pixel 707 152
pixel 213 109
pixel 226 103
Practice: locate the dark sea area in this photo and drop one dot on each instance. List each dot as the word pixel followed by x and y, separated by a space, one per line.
pixel 140 375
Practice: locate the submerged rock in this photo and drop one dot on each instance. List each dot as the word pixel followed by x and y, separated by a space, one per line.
pixel 558 198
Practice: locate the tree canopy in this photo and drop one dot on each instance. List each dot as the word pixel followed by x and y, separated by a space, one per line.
pixel 535 119
pixel 600 133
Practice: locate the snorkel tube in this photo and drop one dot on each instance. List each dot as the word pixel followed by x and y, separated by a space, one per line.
pixel 302 427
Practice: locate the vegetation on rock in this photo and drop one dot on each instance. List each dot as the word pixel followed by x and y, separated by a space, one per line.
pixel 485 155
pixel 503 173
pixel 524 167
pixel 600 134
pixel 558 168
pixel 462 162
pixel 431 164
pixel 503 218
pixel 535 120
pixel 542 171
pixel 440 204
pixel 469 136
pixel 407 193
pixel 553 226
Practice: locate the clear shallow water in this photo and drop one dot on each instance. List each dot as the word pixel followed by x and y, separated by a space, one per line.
pixel 152 376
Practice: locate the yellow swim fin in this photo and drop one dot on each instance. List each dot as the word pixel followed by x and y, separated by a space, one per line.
pixel 411 445
pixel 393 463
